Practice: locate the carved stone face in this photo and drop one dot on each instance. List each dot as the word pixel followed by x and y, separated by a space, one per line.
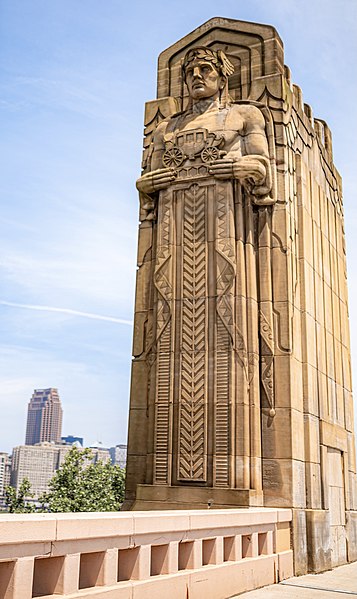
pixel 203 80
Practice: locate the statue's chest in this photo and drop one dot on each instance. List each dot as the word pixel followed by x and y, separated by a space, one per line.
pixel 213 120
pixel 207 137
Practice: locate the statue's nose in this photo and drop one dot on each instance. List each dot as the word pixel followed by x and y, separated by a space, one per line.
pixel 197 72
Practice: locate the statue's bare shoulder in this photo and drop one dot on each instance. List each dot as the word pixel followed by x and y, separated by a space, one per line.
pixel 160 132
pixel 248 118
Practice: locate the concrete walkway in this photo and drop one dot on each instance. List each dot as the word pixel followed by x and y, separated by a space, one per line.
pixel 340 583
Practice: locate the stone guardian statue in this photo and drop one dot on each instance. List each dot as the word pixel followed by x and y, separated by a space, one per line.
pixel 208 168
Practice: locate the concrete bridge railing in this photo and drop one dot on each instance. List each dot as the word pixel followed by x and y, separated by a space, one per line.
pixel 194 554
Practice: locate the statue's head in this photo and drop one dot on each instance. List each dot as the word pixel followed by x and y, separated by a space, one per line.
pixel 206 72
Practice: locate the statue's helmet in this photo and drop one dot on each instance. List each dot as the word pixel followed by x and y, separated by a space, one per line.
pixel 216 57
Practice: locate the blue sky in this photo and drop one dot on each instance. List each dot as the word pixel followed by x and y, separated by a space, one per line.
pixel 75 76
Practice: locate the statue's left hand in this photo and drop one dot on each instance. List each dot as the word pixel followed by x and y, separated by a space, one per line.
pixel 245 168
pixel 222 169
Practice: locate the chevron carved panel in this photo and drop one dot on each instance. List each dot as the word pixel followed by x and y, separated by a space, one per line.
pixel 192 438
pixel 164 374
pixel 222 420
pixel 225 331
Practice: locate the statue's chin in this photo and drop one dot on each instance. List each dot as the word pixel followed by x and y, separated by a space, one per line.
pixel 199 96
pixel 202 94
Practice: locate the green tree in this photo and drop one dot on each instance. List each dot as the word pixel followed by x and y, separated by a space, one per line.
pixel 16 502
pixel 81 486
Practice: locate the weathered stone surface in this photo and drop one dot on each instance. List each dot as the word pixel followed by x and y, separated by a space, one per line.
pixel 318 540
pixel 300 542
pixel 313 485
pixel 351 531
pixel 241 383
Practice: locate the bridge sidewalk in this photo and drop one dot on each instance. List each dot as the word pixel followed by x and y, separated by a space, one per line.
pixel 339 583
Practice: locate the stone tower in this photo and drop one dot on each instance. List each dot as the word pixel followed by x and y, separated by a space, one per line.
pixel 241 381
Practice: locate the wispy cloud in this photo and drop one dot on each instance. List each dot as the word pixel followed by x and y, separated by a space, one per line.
pixel 66 311
pixel 69 90
pixel 94 267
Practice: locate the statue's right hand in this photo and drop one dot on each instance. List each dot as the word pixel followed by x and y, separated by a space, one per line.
pixel 155 180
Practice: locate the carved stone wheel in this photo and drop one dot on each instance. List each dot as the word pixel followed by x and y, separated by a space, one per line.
pixel 173 157
pixel 209 154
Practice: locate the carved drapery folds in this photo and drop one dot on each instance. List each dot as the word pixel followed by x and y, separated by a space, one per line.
pixel 213 244
pixel 212 251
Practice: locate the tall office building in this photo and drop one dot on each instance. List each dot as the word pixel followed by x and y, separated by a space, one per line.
pixel 3 457
pixel 44 417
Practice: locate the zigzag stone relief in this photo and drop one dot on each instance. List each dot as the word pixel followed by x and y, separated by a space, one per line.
pixel 163 283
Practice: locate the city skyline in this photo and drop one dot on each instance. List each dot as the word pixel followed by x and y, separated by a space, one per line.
pixel 75 81
pixel 68 439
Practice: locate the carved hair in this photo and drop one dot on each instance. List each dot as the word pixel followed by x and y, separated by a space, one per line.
pixel 215 57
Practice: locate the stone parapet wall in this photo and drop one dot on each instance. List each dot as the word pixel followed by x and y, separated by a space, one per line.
pixel 198 553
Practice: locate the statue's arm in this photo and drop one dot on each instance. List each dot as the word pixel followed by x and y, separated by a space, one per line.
pixel 249 154
pixel 156 177
pixel 158 147
pixel 254 165
pixel 254 136
pixel 256 146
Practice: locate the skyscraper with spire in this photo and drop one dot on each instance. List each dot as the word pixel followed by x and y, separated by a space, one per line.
pixel 44 417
